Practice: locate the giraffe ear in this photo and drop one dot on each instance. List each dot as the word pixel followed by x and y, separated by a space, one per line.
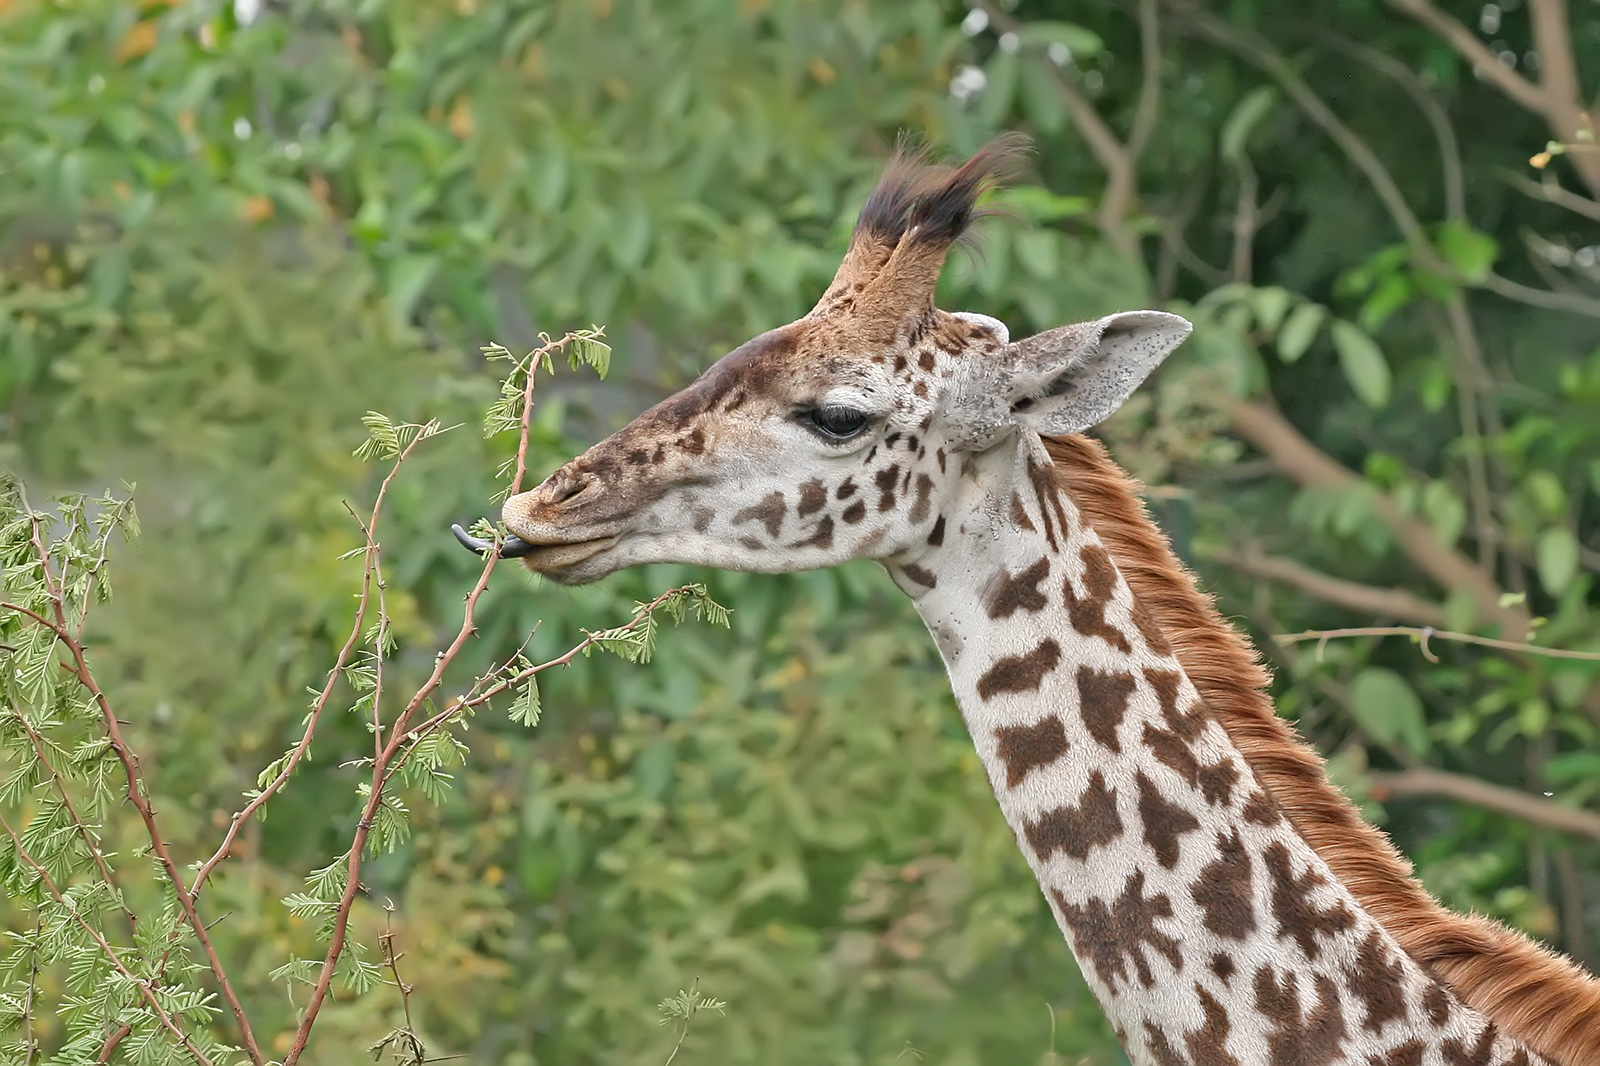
pixel 1068 379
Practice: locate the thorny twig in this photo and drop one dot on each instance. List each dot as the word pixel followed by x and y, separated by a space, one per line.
pixel 79 667
pixel 399 732
pixel 111 953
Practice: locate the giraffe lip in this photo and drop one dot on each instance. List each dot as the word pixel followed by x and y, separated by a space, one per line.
pixel 540 557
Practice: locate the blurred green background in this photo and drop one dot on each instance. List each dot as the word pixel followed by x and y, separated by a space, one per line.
pixel 228 230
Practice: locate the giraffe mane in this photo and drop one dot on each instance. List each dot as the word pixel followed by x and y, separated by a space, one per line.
pixel 1529 991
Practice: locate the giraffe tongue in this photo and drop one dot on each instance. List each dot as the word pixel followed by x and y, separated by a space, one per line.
pixel 510 548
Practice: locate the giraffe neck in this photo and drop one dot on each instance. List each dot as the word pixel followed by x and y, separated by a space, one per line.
pixel 1211 933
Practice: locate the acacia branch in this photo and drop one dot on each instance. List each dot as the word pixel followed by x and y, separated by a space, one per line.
pixel 100 941
pixel 399 732
pixel 79 668
pixel 1424 781
pixel 1367 599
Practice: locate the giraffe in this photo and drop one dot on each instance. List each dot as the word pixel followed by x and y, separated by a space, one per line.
pixel 1226 904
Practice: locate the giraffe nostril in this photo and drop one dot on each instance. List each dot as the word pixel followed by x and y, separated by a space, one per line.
pixel 574 486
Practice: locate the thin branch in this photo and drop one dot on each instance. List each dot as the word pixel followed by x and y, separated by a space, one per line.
pixel 1550 191
pixel 1368 599
pixel 1308 465
pixel 1556 98
pixel 1424 781
pixel 88 837
pixel 79 667
pixel 1544 299
pixel 104 945
pixel 400 730
pixel 1114 157
pixel 1423 634
pixel 1474 51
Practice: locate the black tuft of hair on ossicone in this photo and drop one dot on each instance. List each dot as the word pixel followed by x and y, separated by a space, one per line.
pixel 935 204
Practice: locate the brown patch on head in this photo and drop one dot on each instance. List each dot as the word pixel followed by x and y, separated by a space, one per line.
pixel 1079 828
pixel 1007 594
pixel 920 574
pixel 885 480
pixel 936 534
pixel 1305 1038
pixel 1533 994
pixel 1019 513
pixel 1020 673
pixel 1164 821
pixel 1102 703
pixel 769 511
pixel 813 497
pixel 1088 612
pixel 1112 938
pixel 821 537
pixel 855 512
pixel 1024 748
pixel 1298 917
pixel 1223 890
pixel 919 509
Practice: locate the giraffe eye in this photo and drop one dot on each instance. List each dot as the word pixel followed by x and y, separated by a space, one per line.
pixel 837 423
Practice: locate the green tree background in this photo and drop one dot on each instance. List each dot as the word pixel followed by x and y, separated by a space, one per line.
pixel 229 230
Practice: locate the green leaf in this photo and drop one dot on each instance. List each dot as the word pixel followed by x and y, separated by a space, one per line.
pixel 1242 121
pixel 1363 363
pixel 405 280
pixel 1080 42
pixel 1299 330
pixel 1472 253
pixel 1387 709
pixel 1556 558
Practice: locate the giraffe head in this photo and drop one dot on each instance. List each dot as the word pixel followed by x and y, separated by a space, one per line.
pixel 837 436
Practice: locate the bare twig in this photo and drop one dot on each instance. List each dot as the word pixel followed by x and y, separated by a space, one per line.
pixel 1423 634
pixel 1118 160
pixel 1424 781
pixel 1307 464
pixel 1368 599
pixel 1556 98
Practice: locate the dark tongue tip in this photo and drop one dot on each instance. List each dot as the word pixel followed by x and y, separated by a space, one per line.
pixel 510 548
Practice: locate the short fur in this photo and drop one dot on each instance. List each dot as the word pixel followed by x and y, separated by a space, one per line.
pixel 1530 992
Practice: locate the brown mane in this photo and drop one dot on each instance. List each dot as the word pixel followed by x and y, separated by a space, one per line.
pixel 1531 993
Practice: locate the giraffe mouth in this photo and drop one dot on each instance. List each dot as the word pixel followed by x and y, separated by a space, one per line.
pixel 543 558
